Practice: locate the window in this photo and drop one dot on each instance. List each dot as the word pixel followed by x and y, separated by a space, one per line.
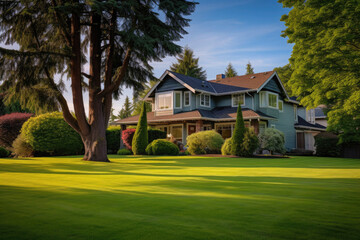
pixel 273 100
pixel 310 115
pixel 176 132
pixel 280 104
pixel 238 98
pixel 262 99
pixel 205 100
pixel 295 113
pixel 164 101
pixel 187 99
pixel 177 98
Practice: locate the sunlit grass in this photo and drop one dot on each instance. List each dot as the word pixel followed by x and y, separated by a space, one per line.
pixel 180 198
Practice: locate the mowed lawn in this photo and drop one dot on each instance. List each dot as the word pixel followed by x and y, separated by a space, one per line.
pixel 180 198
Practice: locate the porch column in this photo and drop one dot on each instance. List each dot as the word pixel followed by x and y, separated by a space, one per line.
pixel 199 125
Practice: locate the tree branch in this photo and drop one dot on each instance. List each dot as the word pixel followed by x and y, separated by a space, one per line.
pixel 62 24
pixel 86 75
pixel 13 52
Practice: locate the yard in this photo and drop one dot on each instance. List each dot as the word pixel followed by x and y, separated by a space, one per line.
pixel 180 198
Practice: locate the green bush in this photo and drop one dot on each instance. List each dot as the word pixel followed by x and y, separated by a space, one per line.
pixel 238 135
pixel 50 134
pixel 113 138
pixel 226 147
pixel 272 140
pixel 154 134
pixel 140 140
pixel 162 147
pixel 250 143
pixel 124 151
pixel 22 148
pixel 204 142
pixel 4 153
pixel 327 145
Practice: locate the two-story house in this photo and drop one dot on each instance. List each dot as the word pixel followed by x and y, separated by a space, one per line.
pixel 182 105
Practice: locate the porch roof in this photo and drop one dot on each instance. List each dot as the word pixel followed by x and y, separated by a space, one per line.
pixel 303 124
pixel 217 114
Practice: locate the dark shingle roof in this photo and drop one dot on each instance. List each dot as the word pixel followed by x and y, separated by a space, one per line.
pixel 302 123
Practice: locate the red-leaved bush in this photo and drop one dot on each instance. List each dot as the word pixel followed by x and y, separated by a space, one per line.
pixel 127 137
pixel 10 126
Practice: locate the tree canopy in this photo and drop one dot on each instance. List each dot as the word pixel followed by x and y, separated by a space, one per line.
pixel 230 71
pixel 326 59
pixel 188 65
pixel 115 40
pixel 249 68
pixel 284 73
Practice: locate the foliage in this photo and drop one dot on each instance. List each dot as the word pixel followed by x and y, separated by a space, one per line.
pixel 154 134
pixel 272 140
pixel 127 136
pixel 140 139
pixel 126 109
pixel 113 138
pixel 285 75
pixel 7 106
pixel 249 69
pixel 230 71
pixel 10 126
pixel 22 148
pixel 238 134
pixel 162 147
pixel 188 65
pixel 325 60
pixel 226 147
pixel 327 145
pixel 204 142
pixel 250 142
pixel 49 133
pixel 4 153
pixel 124 151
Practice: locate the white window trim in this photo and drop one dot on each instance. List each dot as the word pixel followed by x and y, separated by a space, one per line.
pixel 282 105
pixel 232 100
pixel 187 105
pixel 174 101
pixel 295 113
pixel 260 102
pixel 203 105
pixel 268 102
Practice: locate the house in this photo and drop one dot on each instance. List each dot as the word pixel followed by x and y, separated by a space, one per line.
pixel 182 105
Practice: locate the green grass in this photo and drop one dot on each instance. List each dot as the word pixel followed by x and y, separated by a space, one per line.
pixel 180 198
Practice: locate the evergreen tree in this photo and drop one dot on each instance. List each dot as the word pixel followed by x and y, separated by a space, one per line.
pixel 238 134
pixel 325 60
pixel 121 37
pixel 113 117
pixel 230 71
pixel 140 139
pixel 188 65
pixel 249 69
pixel 126 109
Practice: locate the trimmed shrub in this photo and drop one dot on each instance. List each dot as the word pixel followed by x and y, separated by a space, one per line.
pixel 226 147
pixel 127 136
pixel 250 143
pixel 22 148
pixel 154 134
pixel 124 151
pixel 204 142
pixel 4 153
pixel 162 147
pixel 140 139
pixel 238 134
pixel 113 138
pixel 50 134
pixel 327 145
pixel 10 126
pixel 272 140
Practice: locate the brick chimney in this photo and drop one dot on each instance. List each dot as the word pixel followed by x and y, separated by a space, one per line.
pixel 220 76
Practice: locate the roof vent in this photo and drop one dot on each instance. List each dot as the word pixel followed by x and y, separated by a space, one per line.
pixel 252 77
pixel 220 76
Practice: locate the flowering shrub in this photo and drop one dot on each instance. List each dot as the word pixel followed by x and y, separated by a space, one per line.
pixel 127 137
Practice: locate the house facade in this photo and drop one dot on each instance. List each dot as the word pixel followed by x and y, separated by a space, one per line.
pixel 182 105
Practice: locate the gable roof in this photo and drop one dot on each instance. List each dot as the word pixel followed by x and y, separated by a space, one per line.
pixel 252 81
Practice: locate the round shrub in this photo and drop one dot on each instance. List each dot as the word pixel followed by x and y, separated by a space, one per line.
pixel 162 147
pixel 10 126
pixel 113 138
pixel 226 147
pixel 272 140
pixel 50 134
pixel 124 151
pixel 4 153
pixel 22 148
pixel 327 145
pixel 204 142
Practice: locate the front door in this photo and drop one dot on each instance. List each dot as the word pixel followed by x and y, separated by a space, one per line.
pixel 191 129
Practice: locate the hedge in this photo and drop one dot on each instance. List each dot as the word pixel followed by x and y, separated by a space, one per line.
pixel 10 126
pixel 327 145
pixel 50 134
pixel 113 138
pixel 162 147
pixel 4 153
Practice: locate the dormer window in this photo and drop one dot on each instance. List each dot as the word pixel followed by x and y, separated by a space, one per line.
pixel 164 101
pixel 269 99
pixel 204 100
pixel 187 99
pixel 177 99
pixel 238 98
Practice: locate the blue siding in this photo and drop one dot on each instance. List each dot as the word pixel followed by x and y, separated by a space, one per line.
pixel 169 84
pixel 226 101
pixel 273 85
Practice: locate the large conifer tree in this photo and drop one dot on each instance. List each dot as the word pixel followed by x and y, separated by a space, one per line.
pixel 230 71
pixel 54 36
pixel 249 68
